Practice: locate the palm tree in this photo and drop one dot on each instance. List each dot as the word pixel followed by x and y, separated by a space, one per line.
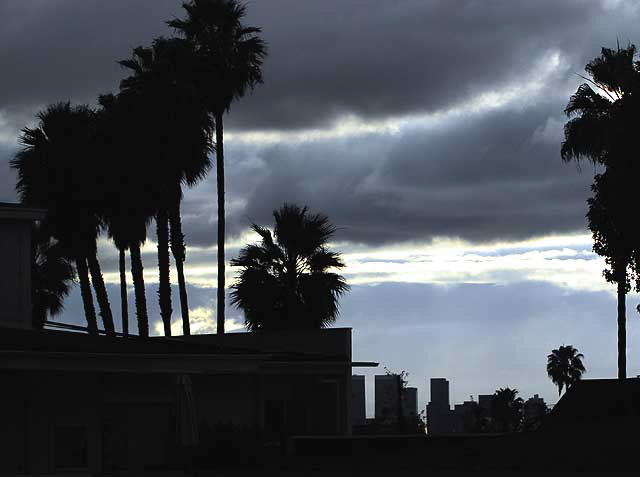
pixel 615 238
pixel 286 283
pixel 233 56
pixel 177 129
pixel 54 172
pixel 51 278
pixel 602 129
pixel 506 409
pixel 564 367
pixel 128 209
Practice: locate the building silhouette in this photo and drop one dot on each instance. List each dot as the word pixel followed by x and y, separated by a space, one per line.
pixel 439 415
pixel 409 403
pixel 99 405
pixel 358 400
pixel 484 401
pixel 534 410
pixel 387 394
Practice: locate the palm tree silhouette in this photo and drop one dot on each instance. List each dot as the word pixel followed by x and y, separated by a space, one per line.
pixel 564 366
pixel 55 172
pixel 129 209
pixel 506 409
pixel 176 123
pixel 52 276
pixel 233 56
pixel 602 129
pixel 286 283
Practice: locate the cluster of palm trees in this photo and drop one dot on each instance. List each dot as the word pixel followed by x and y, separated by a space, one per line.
pixel 119 166
pixel 602 129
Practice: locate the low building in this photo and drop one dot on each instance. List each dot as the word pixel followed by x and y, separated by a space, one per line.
pixel 95 404
pixel 599 404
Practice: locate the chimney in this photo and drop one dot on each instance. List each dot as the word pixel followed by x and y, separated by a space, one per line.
pixel 15 256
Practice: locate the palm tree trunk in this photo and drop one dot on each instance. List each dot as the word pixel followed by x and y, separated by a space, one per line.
pixel 87 297
pixel 138 285
pixel 221 219
pixel 178 250
pixel 164 290
pixel 101 293
pixel 124 304
pixel 622 329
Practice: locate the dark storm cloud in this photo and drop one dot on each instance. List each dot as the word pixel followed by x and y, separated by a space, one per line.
pixel 58 50
pixel 481 177
pixel 326 58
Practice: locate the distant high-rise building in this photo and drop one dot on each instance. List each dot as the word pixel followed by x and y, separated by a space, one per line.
pixel 484 401
pixel 358 403
pixel 387 391
pixel 440 418
pixel 440 392
pixel 410 402
pixel 534 409
pixel 466 417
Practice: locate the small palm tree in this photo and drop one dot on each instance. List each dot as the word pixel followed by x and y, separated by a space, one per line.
pixel 52 276
pixel 506 409
pixel 286 282
pixel 232 60
pixel 565 367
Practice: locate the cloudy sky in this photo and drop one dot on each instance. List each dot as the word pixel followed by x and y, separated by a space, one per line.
pixel 428 131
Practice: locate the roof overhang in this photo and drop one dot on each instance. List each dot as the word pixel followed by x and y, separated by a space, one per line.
pixel 20 212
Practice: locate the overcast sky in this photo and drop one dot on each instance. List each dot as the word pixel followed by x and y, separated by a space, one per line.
pixel 428 131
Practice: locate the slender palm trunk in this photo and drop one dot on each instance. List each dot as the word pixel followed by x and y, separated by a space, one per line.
pixel 124 303
pixel 164 290
pixel 101 293
pixel 221 219
pixel 138 285
pixel 178 251
pixel 622 329
pixel 87 297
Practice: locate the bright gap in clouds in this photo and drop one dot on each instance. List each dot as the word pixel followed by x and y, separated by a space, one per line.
pixel 563 260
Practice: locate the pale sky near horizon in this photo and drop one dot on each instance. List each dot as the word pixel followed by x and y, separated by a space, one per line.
pixel 428 131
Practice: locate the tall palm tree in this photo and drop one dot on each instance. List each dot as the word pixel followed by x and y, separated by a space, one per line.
pixel 615 238
pixel 565 367
pixel 128 209
pixel 52 276
pixel 176 129
pixel 287 283
pixel 56 173
pixel 233 56
pixel 601 129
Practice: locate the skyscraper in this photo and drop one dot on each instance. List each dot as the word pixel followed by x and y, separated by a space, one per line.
pixel 409 402
pixel 387 394
pixel 439 415
pixel 358 402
